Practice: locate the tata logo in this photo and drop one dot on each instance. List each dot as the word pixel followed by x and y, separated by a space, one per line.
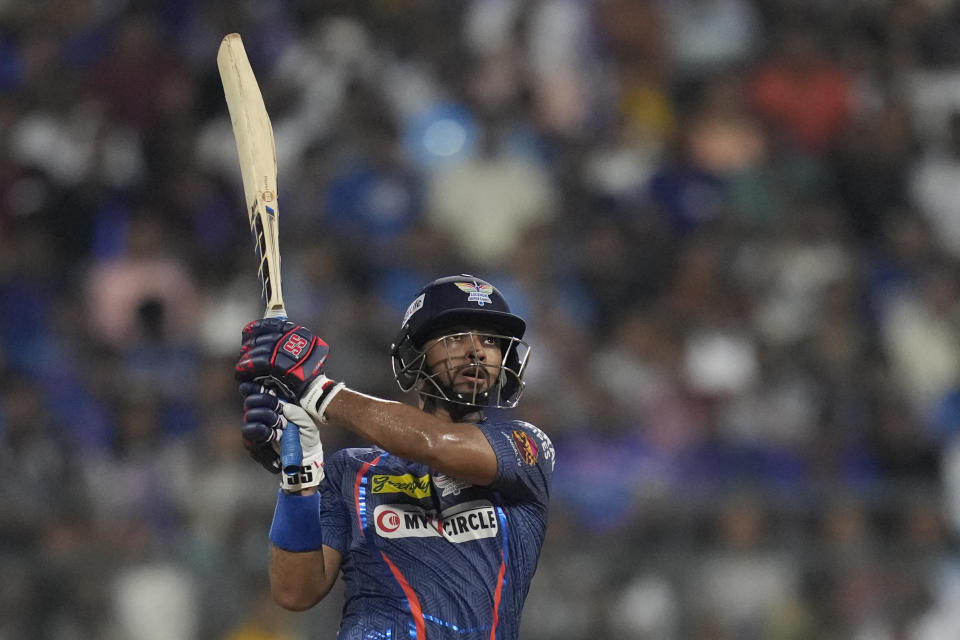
pixel 407 483
pixel 464 522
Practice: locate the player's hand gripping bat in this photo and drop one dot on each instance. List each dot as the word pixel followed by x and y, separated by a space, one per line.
pixel 258 167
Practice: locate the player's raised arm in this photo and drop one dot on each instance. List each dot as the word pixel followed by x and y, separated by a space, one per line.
pixel 458 449
pixel 459 347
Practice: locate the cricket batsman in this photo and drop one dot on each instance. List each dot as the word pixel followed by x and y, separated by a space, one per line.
pixel 437 526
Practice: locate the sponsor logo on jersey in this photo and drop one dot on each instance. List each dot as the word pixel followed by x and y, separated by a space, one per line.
pixel 407 483
pixel 449 486
pixel 464 522
pixel 546 445
pixel 479 293
pixel 526 448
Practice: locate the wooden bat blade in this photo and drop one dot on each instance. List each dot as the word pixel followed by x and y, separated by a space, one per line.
pixel 256 151
pixel 258 168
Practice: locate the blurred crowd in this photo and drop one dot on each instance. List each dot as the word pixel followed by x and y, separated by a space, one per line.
pixel 732 225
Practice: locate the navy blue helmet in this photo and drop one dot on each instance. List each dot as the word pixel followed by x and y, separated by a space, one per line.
pixel 459 305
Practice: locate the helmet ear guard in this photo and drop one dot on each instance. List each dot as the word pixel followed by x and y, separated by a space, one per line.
pixel 408 361
pixel 472 306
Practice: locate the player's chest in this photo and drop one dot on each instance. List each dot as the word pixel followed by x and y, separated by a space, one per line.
pixel 399 502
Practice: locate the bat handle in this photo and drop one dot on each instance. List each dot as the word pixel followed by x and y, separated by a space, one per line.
pixel 291 453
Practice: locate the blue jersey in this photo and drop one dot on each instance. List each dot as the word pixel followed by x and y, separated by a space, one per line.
pixel 429 557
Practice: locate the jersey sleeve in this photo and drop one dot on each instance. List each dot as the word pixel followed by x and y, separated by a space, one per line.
pixel 525 459
pixel 334 518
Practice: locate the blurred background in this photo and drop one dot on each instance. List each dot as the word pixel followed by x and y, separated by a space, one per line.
pixel 733 227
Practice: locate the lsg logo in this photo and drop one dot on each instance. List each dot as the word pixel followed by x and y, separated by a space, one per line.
pixel 295 345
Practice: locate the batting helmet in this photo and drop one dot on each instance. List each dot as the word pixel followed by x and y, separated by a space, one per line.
pixel 460 302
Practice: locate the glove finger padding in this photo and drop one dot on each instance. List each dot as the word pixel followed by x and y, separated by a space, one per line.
pixel 262 426
pixel 250 388
pixel 264 327
pixel 264 399
pixel 259 442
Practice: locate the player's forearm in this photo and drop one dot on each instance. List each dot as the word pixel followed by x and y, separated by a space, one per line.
pixel 457 449
pixel 297 579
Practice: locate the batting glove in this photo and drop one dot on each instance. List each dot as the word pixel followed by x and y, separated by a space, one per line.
pixel 262 426
pixel 281 353
pixel 265 418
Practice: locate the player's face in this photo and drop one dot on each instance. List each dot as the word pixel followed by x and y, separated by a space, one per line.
pixel 465 361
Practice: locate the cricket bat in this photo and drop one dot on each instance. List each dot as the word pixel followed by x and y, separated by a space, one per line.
pixel 258 168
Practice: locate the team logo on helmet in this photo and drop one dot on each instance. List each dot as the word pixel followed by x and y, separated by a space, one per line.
pixel 479 293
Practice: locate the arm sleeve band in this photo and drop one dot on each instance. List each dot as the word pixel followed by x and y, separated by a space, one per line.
pixel 296 523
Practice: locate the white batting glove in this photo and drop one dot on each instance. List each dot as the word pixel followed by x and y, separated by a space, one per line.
pixel 311 467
